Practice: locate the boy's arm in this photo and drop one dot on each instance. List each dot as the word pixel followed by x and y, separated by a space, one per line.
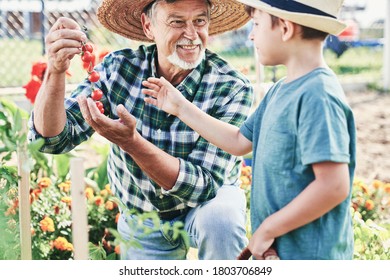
pixel 223 135
pixel 330 187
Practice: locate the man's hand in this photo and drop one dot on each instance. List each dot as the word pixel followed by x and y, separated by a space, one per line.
pixel 120 132
pixel 63 42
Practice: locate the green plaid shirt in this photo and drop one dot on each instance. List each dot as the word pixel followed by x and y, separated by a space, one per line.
pixel 213 86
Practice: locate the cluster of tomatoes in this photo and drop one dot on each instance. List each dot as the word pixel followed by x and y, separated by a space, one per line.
pixel 93 76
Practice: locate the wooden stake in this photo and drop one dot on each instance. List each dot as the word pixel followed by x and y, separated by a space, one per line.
pixel 79 210
pixel 24 198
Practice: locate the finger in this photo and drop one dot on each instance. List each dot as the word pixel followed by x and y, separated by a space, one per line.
pixel 65 23
pixel 151 85
pixel 151 101
pixel 82 100
pixel 149 92
pixel 125 117
pixel 73 37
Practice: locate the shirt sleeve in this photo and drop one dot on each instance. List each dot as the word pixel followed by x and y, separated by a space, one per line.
pixel 207 167
pixel 323 129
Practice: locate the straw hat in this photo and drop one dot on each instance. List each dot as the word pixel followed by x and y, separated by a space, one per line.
pixel 124 17
pixel 317 14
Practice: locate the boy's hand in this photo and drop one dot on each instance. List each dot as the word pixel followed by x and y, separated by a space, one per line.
pixel 260 244
pixel 163 95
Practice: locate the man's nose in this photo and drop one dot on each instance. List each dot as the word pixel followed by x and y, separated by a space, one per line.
pixel 190 31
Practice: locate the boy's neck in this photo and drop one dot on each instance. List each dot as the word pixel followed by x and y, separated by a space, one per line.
pixel 303 57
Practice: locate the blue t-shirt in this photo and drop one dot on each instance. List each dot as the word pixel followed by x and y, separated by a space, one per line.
pixel 297 124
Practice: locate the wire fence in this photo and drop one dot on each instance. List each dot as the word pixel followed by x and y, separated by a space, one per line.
pixel 24 24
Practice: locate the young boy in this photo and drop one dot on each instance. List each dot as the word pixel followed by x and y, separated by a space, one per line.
pixel 302 135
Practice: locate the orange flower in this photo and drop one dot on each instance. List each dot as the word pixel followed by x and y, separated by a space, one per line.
pixel 109 205
pixel 99 200
pixel 117 217
pixel 387 188
pixel 47 224
pixel 117 249
pixel 89 193
pixel 44 182
pixel 62 244
pixel 32 231
pixel 369 204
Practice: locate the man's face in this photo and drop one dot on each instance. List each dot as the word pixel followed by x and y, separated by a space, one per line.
pixel 180 31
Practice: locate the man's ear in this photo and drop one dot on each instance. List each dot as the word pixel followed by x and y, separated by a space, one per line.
pixel 146 25
pixel 288 29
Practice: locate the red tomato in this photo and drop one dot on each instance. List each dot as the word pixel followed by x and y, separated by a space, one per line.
pixel 94 77
pixel 86 57
pixel 97 95
pixel 87 48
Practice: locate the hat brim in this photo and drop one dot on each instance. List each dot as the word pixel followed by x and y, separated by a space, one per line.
pixel 124 17
pixel 323 23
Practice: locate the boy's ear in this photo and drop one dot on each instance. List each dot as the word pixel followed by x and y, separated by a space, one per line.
pixel 146 25
pixel 288 29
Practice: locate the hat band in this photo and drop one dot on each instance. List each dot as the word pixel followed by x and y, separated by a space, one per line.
pixel 296 7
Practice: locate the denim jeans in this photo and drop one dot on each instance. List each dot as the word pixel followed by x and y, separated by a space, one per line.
pixel 216 228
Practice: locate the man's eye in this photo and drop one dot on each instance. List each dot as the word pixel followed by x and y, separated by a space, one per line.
pixel 200 22
pixel 177 23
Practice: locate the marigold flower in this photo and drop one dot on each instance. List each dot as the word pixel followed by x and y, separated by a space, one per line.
pixel 47 224
pixel 67 200
pixel 99 200
pixel 62 244
pixel 89 193
pixel 44 182
pixel 104 193
pixel 109 205
pixel 387 188
pixel 377 184
pixel 117 249
pixel 107 187
pixel 64 186
pixel 369 204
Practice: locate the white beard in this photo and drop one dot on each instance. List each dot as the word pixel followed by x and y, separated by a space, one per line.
pixel 177 61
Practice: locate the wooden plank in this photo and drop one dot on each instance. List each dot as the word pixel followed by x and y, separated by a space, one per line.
pixel 24 198
pixel 79 210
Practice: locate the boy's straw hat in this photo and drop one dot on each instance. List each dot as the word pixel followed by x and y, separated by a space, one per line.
pixel 124 17
pixel 317 14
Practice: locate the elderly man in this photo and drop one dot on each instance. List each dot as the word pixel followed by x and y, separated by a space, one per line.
pixel 156 162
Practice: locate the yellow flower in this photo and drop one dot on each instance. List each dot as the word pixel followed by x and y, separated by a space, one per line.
pixel 47 224
pixel 67 200
pixel 89 193
pixel 64 186
pixel 377 184
pixel 104 193
pixel 44 182
pixel 107 187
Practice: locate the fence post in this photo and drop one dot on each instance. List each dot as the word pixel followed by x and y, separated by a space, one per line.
pixel 43 30
pixel 79 210
pixel 386 55
pixel 24 197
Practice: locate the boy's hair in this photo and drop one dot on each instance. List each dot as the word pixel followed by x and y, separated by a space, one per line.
pixel 307 32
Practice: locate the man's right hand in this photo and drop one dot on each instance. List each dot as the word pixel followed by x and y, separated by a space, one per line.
pixel 63 42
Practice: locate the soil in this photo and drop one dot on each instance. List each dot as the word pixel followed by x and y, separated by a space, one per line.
pixel 372 115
